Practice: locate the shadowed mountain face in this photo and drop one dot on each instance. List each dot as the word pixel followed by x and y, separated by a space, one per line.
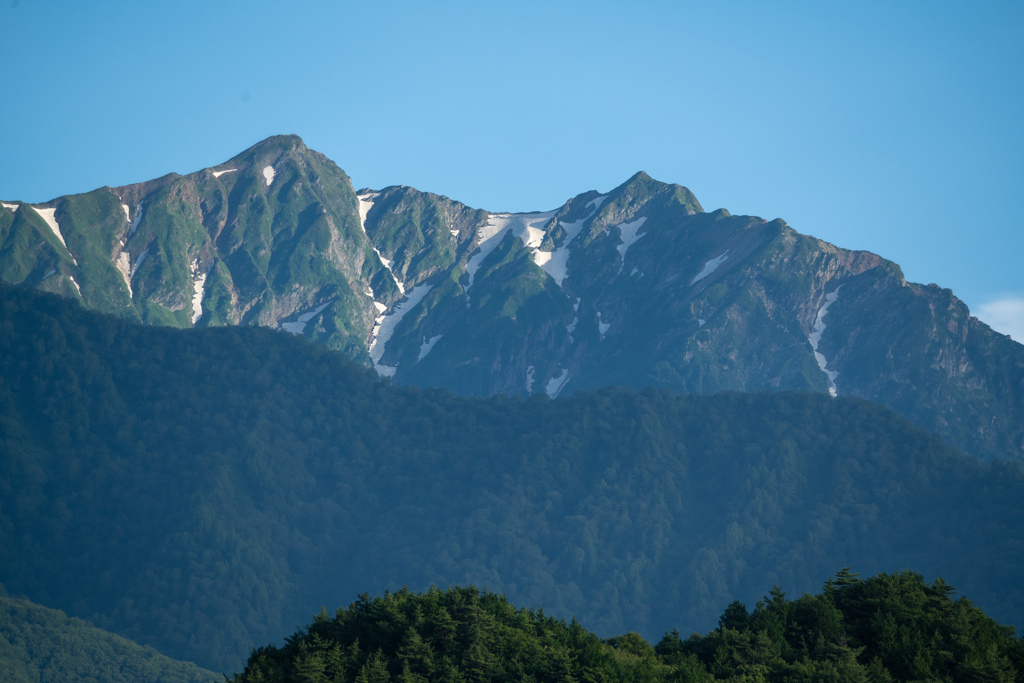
pixel 205 491
pixel 638 286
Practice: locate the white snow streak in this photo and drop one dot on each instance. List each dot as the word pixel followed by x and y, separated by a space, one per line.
pixel 268 174
pixel 387 323
pixel 218 174
pixel 48 216
pixel 197 298
pixel 710 267
pixel 365 204
pixel 138 217
pixel 299 326
pixel 198 282
pixel 815 339
pixel 529 379
pixel 48 273
pixel 528 227
pixel 597 202
pixel 127 215
pixel 72 277
pixel 12 207
pixel 556 384
pixel 628 235
pixel 427 346
pixel 138 261
pixel 124 266
pixel 571 327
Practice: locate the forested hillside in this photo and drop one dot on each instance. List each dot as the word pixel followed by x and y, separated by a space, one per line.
pixel 891 627
pixel 40 645
pixel 199 490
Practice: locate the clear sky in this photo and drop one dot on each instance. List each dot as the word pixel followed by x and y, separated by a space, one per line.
pixel 892 127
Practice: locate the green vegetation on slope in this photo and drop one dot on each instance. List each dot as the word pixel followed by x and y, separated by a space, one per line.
pixel 193 489
pixel 41 645
pixel 891 627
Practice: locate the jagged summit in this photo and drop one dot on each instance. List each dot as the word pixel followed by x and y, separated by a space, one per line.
pixel 636 286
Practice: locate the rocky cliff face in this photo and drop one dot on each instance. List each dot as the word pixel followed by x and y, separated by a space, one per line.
pixel 638 287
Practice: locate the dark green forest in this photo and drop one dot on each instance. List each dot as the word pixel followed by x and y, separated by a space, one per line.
pixel 891 627
pixel 41 645
pixel 199 490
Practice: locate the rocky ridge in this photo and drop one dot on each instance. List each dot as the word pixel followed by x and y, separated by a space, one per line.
pixel 637 286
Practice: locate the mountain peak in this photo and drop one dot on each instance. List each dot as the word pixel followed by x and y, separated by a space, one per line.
pixel 275 144
pixel 641 184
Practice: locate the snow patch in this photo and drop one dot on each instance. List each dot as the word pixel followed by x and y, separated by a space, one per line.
pixel 218 174
pixel 529 379
pixel 49 217
pixel 50 272
pixel 628 235
pixel 72 278
pixel 197 297
pixel 124 266
pixel 571 327
pixel 138 261
pixel 701 322
pixel 528 227
pixel 710 267
pixel 268 174
pixel 380 307
pixel 127 215
pixel 633 272
pixel 387 323
pixel 12 207
pixel 815 339
pixel 299 326
pixel 455 233
pixel 427 345
pixel 556 263
pixel 365 204
pixel 556 384
pixel 198 283
pixel 138 217
pixel 602 327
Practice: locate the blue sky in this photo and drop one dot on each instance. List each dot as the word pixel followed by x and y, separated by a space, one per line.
pixel 892 127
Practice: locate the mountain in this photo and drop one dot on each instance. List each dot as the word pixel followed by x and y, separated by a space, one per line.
pixel 205 491
pixel 41 645
pixel 638 287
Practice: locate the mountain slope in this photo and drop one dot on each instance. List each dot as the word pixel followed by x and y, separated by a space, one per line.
pixel 41 645
pixel 638 287
pixel 202 491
